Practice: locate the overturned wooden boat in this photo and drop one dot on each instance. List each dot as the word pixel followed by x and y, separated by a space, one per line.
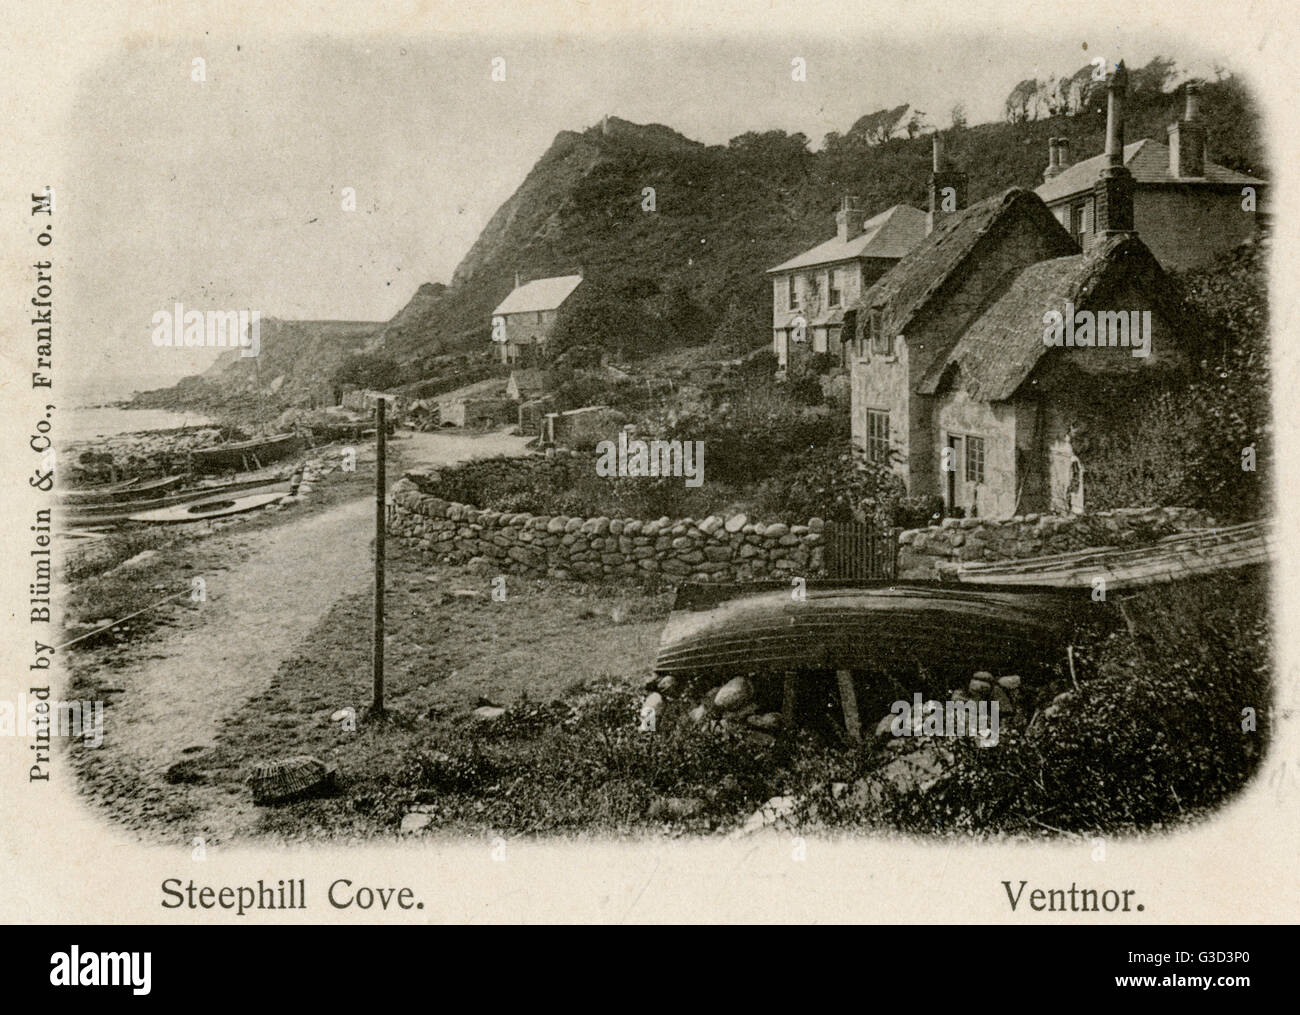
pixel 96 515
pixel 1183 555
pixel 243 455
pixel 737 629
pixel 118 493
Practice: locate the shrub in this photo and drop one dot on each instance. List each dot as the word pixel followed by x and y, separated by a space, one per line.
pixel 1153 736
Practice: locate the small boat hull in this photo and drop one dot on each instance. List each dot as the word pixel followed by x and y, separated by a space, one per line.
pixel 244 454
pixel 876 626
pixel 120 493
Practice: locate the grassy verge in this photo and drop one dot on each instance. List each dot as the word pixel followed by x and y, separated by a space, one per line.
pixel 1151 739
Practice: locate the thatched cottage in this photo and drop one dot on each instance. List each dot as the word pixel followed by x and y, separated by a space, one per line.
pixel 985 351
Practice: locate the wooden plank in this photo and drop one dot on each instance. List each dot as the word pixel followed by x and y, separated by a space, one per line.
pixel 788 687
pixel 849 702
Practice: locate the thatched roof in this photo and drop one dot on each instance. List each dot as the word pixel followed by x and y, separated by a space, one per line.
pixel 1001 347
pixel 903 291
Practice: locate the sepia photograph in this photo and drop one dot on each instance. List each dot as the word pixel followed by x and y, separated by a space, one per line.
pixel 593 433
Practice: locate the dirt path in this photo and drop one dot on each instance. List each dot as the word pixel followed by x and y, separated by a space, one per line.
pixel 178 688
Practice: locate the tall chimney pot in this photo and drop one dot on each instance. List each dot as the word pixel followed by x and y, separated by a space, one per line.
pixel 1187 137
pixel 947 187
pixel 848 220
pixel 1053 165
pixel 1113 191
pixel 1063 153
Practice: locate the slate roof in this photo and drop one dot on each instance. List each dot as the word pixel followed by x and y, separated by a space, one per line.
pixel 539 294
pixel 1001 347
pixel 1147 160
pixel 892 233
pixel 903 291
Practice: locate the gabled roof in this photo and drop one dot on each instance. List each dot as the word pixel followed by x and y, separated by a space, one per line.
pixel 1001 347
pixel 892 233
pixel 903 291
pixel 1147 160
pixel 539 294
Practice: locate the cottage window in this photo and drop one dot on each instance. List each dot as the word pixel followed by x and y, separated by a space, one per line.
pixel 882 343
pixel 974 459
pixel 878 435
pixel 792 292
pixel 1079 221
pixel 539 317
pixel 835 287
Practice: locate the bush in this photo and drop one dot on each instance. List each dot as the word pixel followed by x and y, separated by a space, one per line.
pixel 1154 735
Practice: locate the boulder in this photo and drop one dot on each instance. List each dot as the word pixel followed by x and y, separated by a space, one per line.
pixel 734 694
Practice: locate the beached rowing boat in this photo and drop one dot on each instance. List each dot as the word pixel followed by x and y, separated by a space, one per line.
pixel 1183 555
pixel 84 516
pixel 244 455
pixel 117 493
pixel 863 625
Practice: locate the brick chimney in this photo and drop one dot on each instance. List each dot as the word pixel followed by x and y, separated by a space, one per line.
pixel 848 220
pixel 947 187
pixel 1113 191
pixel 1187 137
pixel 1053 166
pixel 1063 153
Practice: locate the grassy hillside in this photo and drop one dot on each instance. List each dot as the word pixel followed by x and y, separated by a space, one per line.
pixel 721 215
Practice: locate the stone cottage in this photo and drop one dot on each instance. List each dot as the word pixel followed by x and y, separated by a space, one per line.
pixel 522 323
pixel 812 291
pixel 1187 209
pixel 976 359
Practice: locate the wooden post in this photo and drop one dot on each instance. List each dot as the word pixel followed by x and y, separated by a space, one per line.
pixel 787 700
pixel 381 443
pixel 849 702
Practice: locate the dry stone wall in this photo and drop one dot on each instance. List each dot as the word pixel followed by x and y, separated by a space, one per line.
pixel 713 549
pixel 717 548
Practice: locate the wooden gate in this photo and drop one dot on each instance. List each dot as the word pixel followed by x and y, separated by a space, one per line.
pixel 856 551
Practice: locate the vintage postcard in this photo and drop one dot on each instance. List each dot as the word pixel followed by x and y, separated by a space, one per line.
pixel 649 462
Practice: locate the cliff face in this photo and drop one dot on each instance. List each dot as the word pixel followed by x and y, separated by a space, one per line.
pixel 688 229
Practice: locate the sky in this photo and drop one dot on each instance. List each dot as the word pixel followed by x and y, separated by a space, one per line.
pixel 227 193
